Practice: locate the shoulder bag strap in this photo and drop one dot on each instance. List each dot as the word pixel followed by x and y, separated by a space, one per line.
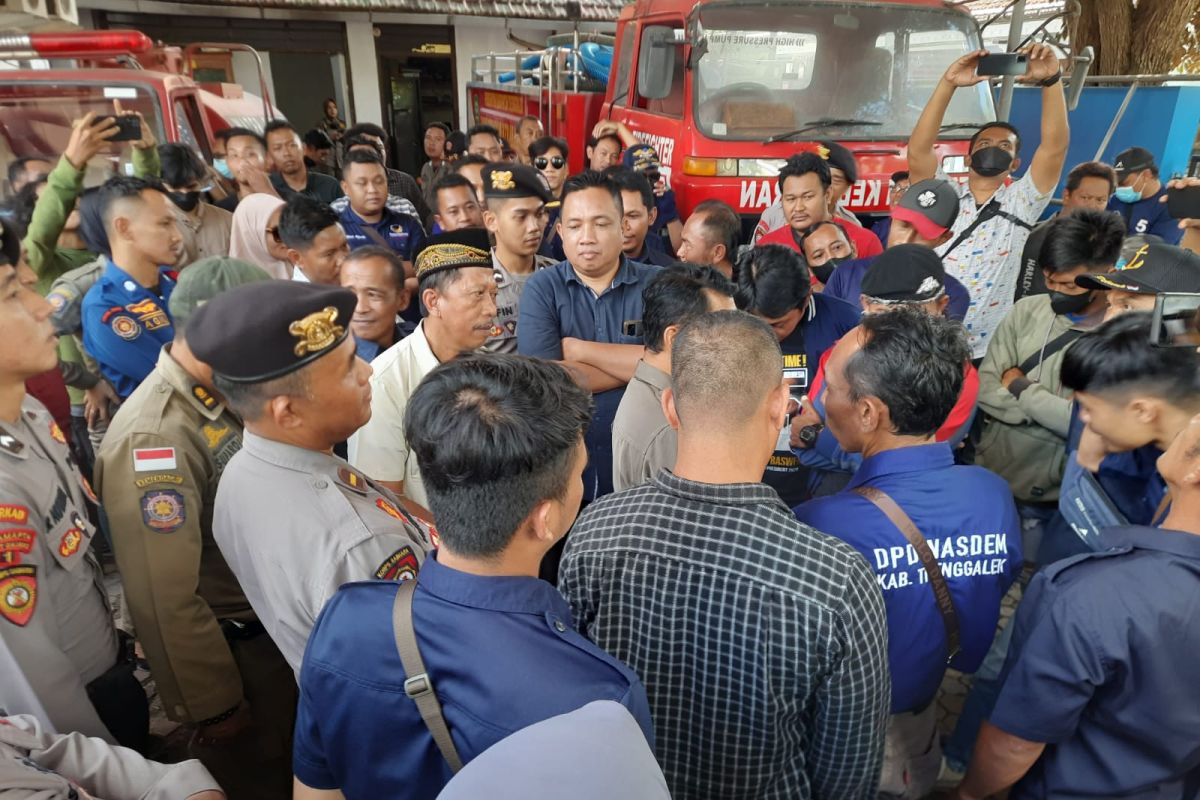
pixel 418 686
pixel 941 592
pixel 991 210
pixel 1057 343
pixel 375 236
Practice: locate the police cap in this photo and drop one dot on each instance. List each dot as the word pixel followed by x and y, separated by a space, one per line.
pixel 505 181
pixel 466 247
pixel 264 331
pixel 906 273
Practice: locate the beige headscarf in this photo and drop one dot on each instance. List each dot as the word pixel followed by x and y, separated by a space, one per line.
pixel 248 240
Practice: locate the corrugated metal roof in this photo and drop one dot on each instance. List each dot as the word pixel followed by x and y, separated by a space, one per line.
pixel 587 10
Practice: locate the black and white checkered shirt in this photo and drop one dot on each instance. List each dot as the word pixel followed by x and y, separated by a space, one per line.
pixel 762 642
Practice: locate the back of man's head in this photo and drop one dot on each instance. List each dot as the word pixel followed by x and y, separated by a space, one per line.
pixel 302 220
pixel 724 367
pixel 1083 238
pixel 914 363
pixel 495 436
pixel 721 225
pixel 772 280
pixel 676 296
pixel 1118 360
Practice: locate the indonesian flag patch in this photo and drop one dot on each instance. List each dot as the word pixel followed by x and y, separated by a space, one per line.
pixel 153 459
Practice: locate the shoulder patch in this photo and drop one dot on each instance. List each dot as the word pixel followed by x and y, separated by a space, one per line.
pixel 88 491
pixel 14 543
pixel 56 433
pixel 149 313
pixel 352 480
pixel 58 300
pixel 108 315
pixel 154 459
pixel 69 544
pixel 57 508
pixel 389 508
pixel 213 434
pixel 18 593
pixel 126 328
pixel 399 566
pixel 150 480
pixel 14 513
pixel 163 510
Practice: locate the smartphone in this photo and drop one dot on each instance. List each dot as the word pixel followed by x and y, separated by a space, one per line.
pixel 129 127
pixel 1184 203
pixel 1003 64
pixel 1176 320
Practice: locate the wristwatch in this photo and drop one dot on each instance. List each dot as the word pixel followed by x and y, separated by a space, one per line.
pixel 1046 83
pixel 808 435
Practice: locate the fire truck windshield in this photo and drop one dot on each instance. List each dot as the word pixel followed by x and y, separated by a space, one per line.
pixel 844 71
pixel 36 117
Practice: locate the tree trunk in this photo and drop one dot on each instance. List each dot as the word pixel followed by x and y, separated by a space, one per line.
pixel 1159 30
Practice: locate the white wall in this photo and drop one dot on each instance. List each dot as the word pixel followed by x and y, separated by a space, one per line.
pixel 479 37
pixel 364 71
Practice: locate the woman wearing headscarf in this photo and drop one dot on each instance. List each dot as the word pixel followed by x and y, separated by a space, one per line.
pixel 255 235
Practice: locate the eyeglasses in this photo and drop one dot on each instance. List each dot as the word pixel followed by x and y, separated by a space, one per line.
pixel 558 162
pixel 274 233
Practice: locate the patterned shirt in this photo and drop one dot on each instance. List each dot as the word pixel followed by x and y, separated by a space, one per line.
pixel 989 260
pixel 762 642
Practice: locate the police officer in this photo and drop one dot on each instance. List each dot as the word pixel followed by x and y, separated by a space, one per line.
pixel 517 199
pixel 125 317
pixel 293 521
pixel 157 472
pixel 944 540
pixel 55 617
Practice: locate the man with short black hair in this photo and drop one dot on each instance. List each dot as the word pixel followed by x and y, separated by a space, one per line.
pixel 367 220
pixel 604 149
pixel 246 160
pixel 470 167
pixel 22 171
pixel 889 386
pixel 843 173
pixel 434 145
pixel 710 236
pixel 400 184
pixel 299 390
pixel 666 230
pixel 643 439
pixel 1138 196
pixel 317 148
pixel 484 141
pixel 637 198
pixel 826 247
pixel 499 439
pixel 205 228
pixel 456 205
pixel 289 175
pixel 376 276
pixel 672 575
pixel 316 243
pixel 125 316
pixel 528 129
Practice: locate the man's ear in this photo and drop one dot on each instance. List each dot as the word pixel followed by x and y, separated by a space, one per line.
pixel 668 407
pixel 777 404
pixel 720 253
pixel 872 415
pixel 489 219
pixel 279 409
pixel 941 304
pixel 1144 410
pixel 345 188
pixel 120 226
pixel 429 298
pixel 539 523
pixel 293 256
pixel 653 215
pixel 1016 165
pixel 669 335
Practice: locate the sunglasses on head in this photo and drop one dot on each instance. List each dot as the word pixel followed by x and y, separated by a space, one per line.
pixel 541 162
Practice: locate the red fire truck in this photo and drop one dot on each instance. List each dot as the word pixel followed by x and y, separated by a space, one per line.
pixel 726 90
pixel 55 78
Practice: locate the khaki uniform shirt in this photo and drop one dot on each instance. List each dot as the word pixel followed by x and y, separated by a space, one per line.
pixel 296 524
pixel 54 613
pixel 206 234
pixel 157 474
pixel 503 337
pixel 47 766
pixel 380 448
pixel 643 441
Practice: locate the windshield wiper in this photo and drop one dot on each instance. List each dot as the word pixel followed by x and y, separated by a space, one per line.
pixel 817 124
pixel 958 126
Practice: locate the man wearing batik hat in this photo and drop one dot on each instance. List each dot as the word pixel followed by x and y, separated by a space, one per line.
pixel 157 472
pixel 293 521
pixel 667 227
pixel 517 198
pixel 458 290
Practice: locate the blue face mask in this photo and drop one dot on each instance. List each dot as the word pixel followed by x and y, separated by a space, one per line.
pixel 222 168
pixel 1128 194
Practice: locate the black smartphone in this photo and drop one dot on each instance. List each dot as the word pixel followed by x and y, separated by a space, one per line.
pixel 1003 64
pixel 1184 203
pixel 1176 320
pixel 129 127
pixel 632 327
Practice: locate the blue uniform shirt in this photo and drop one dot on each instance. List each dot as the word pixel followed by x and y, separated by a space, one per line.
pixel 846 284
pixel 1099 670
pixel 556 305
pixel 1148 215
pixel 968 517
pixel 503 653
pixel 402 232
pixel 125 325
pixel 826 321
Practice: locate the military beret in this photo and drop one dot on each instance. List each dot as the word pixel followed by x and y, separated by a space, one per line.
pixel 263 331
pixel 506 180
pixel 466 247
pixel 207 278
pixel 840 156
pixel 906 273
pixel 642 158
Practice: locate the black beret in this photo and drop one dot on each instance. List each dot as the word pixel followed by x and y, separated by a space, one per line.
pixel 466 247
pixel 841 157
pixel 263 331
pixel 507 180
pixel 906 273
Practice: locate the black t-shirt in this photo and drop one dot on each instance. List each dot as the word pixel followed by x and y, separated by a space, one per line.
pixel 1030 280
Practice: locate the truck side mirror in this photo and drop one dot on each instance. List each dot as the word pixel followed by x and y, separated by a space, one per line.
pixel 656 62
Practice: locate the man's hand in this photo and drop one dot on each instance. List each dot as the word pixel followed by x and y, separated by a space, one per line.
pixel 962 71
pixel 226 729
pixel 806 416
pixel 1043 63
pixel 570 349
pixel 88 139
pixel 1092 450
pixel 1010 375
pixel 97 401
pixel 256 179
pixel 147 141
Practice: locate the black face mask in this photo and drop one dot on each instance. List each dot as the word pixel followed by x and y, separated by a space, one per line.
pixel 824 271
pixel 1069 303
pixel 187 201
pixel 991 161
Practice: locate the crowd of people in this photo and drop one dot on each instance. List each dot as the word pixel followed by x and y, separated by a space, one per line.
pixel 503 480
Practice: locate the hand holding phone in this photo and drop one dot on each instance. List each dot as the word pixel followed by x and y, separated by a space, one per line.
pixel 1003 64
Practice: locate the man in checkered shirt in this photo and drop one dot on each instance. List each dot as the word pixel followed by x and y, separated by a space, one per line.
pixel 761 642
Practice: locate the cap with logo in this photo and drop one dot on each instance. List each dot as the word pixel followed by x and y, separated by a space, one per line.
pixel 1153 269
pixel 930 206
pixel 466 247
pixel 505 181
pixel 207 278
pixel 906 273
pixel 642 158
pixel 1133 159
pixel 267 330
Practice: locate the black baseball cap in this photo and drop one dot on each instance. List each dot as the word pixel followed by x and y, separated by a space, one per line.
pixel 1133 159
pixel 930 206
pixel 1153 269
pixel 906 273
